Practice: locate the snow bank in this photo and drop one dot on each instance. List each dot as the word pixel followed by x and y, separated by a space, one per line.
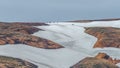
pixel 58 58
pixel 72 36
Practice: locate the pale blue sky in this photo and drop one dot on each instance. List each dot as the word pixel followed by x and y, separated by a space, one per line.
pixel 58 10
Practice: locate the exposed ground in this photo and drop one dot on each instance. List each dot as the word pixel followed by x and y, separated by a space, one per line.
pixel 107 36
pixel 9 62
pixel 14 33
pixel 101 60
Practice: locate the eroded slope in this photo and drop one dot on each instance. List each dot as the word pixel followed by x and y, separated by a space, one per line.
pixel 9 62
pixel 107 36
pixel 15 33
pixel 101 60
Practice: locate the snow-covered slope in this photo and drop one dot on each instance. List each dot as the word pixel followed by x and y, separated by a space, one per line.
pixel 77 43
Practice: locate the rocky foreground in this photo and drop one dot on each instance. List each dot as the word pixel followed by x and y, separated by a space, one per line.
pixel 20 33
pixel 9 62
pixel 101 60
pixel 107 36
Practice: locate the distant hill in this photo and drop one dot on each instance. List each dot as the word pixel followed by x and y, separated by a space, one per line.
pixel 85 21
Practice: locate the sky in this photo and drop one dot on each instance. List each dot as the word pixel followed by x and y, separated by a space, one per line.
pixel 57 10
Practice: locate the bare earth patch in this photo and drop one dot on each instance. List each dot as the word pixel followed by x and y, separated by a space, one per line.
pixel 9 62
pixel 107 36
pixel 101 60
pixel 15 33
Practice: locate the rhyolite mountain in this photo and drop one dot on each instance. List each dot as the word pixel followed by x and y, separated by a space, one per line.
pixel 16 33
pixel 107 36
pixel 9 62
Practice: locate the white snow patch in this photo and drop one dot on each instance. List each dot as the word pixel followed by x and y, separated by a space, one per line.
pixel 58 58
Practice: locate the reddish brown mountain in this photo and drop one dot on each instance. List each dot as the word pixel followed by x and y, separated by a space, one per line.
pixel 107 57
pixel 9 62
pixel 30 23
pixel 21 34
pixel 102 60
pixel 107 36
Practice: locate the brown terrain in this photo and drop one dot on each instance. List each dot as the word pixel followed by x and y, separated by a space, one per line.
pixel 30 23
pixel 107 36
pixel 101 60
pixel 87 21
pixel 15 33
pixel 9 62
pixel 107 57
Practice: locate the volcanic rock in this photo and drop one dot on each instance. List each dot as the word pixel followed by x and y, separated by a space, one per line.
pixel 21 34
pixel 9 62
pixel 91 62
pixel 102 60
pixel 2 42
pixel 107 36
pixel 107 57
pixel 31 23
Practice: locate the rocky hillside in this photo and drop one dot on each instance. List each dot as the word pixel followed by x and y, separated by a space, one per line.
pixel 102 60
pixel 30 23
pixel 107 57
pixel 12 33
pixel 107 36
pixel 9 62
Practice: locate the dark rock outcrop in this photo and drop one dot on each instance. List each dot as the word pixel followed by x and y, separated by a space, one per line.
pixel 9 62
pixel 107 57
pixel 21 34
pixel 102 60
pixel 107 36
pixel 91 62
